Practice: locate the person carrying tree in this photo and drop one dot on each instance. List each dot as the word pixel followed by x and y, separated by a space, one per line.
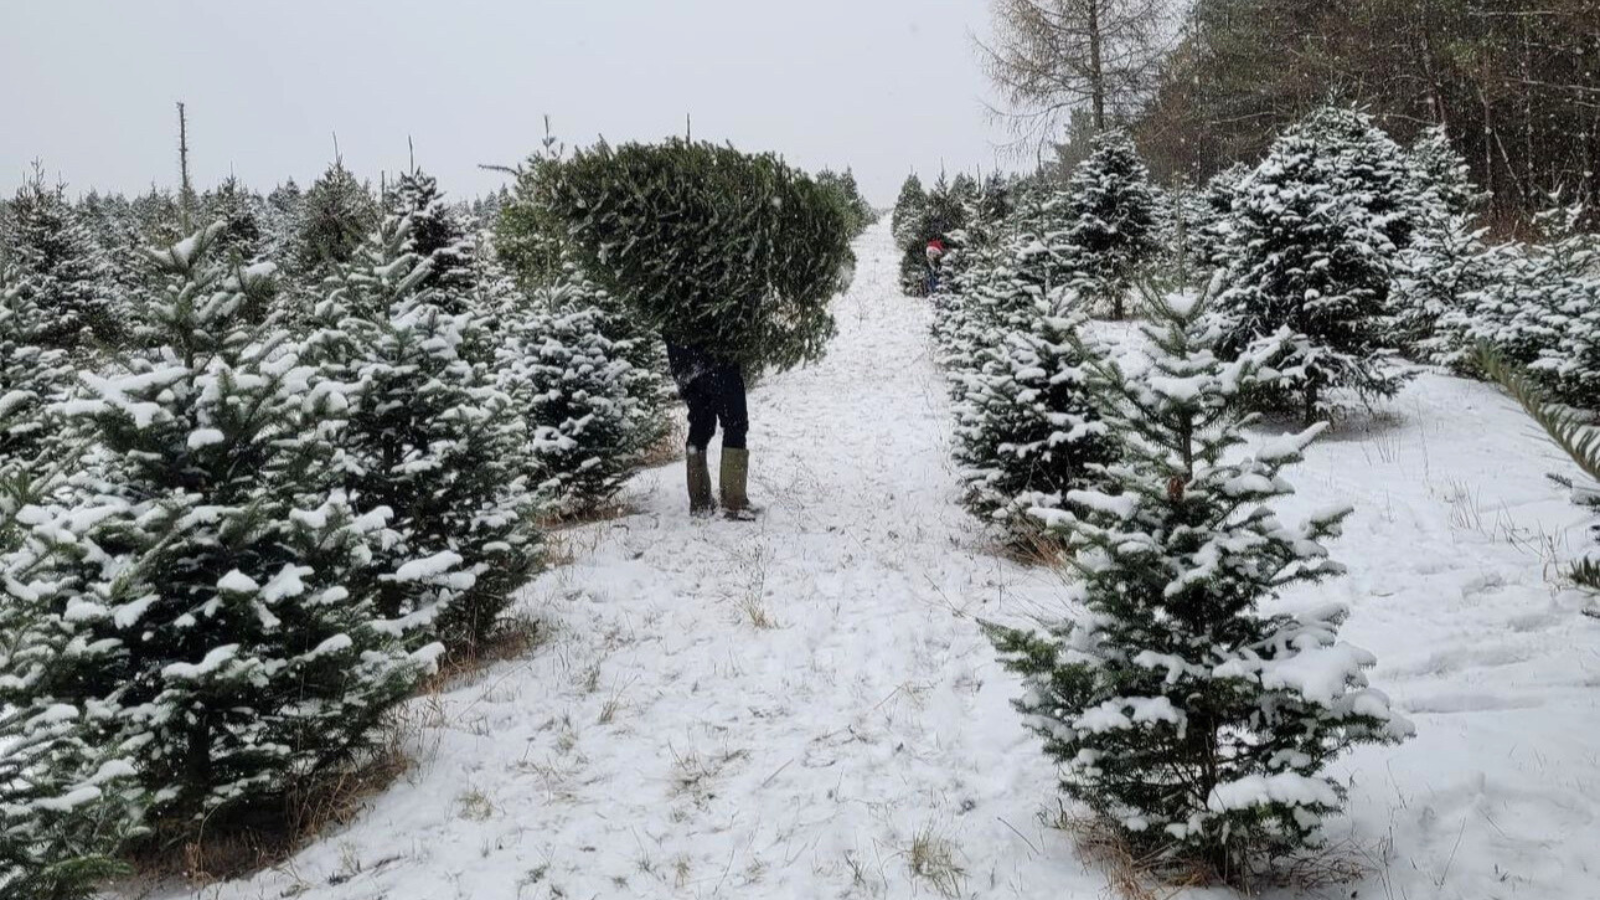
pixel 734 257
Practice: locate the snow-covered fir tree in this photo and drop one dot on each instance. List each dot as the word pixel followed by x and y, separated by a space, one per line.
pixel 1541 309
pixel 1441 175
pixel 1209 216
pixel 334 218
pixel 429 436
pixel 1439 272
pixel 237 208
pixel 68 800
pixel 223 576
pixel 1025 431
pixel 591 413
pixel 910 208
pixel 1113 214
pixel 438 233
pixel 59 267
pixel 280 220
pixel 1195 723
pixel 36 449
pixel 1311 246
pixel 1439 281
pixel 1039 238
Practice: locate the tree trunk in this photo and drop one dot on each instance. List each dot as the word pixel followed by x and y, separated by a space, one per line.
pixel 1097 75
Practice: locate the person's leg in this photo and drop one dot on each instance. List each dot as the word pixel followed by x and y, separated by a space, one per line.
pixel 734 414
pixel 732 410
pixel 694 385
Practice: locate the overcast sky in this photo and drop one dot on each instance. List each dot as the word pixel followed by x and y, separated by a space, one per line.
pixel 879 85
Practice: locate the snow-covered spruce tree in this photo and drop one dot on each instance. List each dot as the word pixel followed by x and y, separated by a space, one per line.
pixel 36 451
pixel 996 291
pixel 1193 722
pixel 1210 213
pixel 280 221
pixel 589 411
pixel 428 436
pixel 223 576
pixel 1039 240
pixel 67 798
pixel 1311 245
pixel 237 208
pixel 438 233
pixel 1437 286
pixel 59 267
pixel 910 209
pixel 333 219
pixel 1442 177
pixel 1113 214
pixel 1541 309
pixel 1445 263
pixel 1025 431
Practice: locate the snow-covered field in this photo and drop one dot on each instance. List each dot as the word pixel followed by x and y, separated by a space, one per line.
pixel 805 708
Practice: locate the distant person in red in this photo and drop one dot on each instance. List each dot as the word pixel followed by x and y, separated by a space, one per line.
pixel 935 253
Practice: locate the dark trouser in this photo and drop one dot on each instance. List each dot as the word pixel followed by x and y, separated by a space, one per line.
pixel 714 392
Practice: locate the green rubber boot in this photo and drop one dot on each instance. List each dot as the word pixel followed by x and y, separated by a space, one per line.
pixel 700 502
pixel 735 478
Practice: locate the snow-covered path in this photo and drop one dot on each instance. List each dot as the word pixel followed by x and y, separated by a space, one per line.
pixel 804 707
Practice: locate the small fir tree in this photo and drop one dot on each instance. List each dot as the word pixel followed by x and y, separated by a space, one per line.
pixel 1025 432
pixel 1439 281
pixel 236 207
pixel 280 221
pixel 1441 175
pixel 1196 724
pixel 591 413
pixel 36 450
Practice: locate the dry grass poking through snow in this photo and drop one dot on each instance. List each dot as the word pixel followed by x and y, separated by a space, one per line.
pixel 1131 876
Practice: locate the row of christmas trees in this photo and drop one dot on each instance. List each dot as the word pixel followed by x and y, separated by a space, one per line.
pixel 245 507
pixel 1197 726
pixel 1367 254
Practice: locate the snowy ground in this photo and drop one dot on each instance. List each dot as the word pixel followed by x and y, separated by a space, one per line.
pixel 804 708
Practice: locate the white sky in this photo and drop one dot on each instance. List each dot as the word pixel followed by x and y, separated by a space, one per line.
pixel 882 86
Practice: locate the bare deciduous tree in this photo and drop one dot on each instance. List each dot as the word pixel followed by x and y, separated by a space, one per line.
pixel 1050 57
